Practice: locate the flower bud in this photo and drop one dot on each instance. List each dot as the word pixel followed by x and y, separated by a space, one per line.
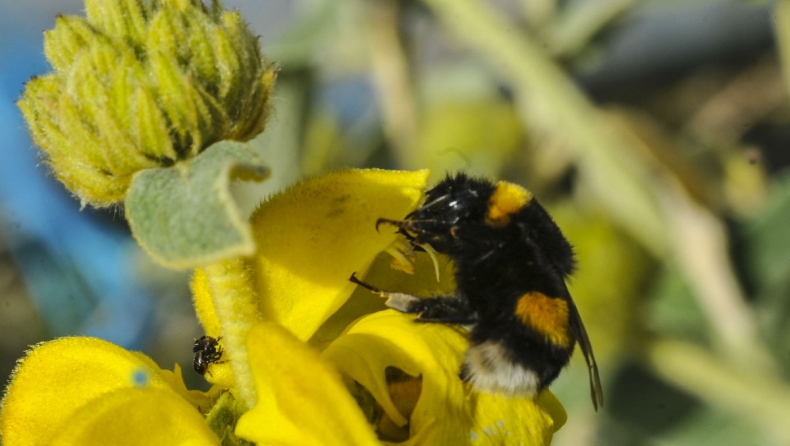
pixel 143 84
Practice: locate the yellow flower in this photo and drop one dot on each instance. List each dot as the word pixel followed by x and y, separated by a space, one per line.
pixel 290 376
pixel 440 408
pixel 82 391
pixel 302 400
pixel 309 240
pixel 404 375
pixel 138 85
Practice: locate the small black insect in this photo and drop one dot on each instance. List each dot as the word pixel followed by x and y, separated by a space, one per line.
pixel 207 350
pixel 511 261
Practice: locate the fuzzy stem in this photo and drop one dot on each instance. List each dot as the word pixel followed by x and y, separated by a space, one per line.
pixel 237 310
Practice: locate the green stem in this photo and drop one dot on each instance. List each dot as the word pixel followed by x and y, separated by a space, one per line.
pixel 581 21
pixel 765 400
pixel 390 70
pixel 699 242
pixel 237 310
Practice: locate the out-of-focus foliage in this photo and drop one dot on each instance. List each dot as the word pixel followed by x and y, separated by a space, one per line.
pixel 768 244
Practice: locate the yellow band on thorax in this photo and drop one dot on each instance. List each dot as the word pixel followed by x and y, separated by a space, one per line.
pixel 507 199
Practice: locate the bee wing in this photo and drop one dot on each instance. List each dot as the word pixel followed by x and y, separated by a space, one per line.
pixel 577 327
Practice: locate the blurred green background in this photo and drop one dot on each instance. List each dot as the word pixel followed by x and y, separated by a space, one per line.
pixel 657 133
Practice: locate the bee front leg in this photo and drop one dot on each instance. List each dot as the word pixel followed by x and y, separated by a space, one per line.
pixel 443 309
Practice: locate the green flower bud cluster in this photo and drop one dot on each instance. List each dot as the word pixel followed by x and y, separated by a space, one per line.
pixel 141 84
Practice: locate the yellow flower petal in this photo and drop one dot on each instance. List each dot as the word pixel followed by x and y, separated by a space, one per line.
pixel 362 302
pixel 301 400
pixel 200 400
pixel 503 420
pixel 448 411
pixel 312 237
pixel 60 376
pixel 134 417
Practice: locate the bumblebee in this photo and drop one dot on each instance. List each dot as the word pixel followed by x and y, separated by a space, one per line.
pixel 511 262
pixel 207 350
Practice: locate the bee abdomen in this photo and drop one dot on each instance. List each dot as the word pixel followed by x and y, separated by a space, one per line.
pixel 489 368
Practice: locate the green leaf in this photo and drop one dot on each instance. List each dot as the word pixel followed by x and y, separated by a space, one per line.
pixel 184 215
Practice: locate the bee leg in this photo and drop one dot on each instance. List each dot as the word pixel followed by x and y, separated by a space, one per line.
pixel 402 302
pixel 445 309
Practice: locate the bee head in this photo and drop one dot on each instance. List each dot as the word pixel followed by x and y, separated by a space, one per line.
pixel 455 201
